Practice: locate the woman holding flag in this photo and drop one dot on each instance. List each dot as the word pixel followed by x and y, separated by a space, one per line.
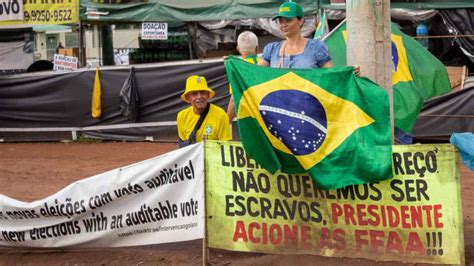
pixel 295 51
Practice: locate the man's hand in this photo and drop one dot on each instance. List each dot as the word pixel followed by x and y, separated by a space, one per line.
pixel 357 70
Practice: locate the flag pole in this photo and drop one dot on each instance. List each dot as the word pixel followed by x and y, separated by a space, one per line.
pixel 369 26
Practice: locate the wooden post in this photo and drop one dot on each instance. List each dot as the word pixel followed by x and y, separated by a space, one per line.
pixel 205 250
pixel 369 42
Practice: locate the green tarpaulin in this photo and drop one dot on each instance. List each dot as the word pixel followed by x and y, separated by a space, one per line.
pixel 411 4
pixel 180 10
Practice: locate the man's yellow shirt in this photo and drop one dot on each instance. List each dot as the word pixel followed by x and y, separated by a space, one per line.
pixel 216 124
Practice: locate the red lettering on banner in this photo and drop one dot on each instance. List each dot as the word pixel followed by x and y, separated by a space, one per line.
pixel 437 215
pixel 349 213
pixel 360 239
pixel 404 216
pixel 275 234
pixel 372 211
pixel 292 232
pixel 306 237
pixel 240 232
pixel 325 238
pixel 416 217
pixel 427 210
pixel 361 214
pixel 275 240
pixel 252 238
pixel 336 211
pixel 373 239
pixel 335 241
pixel 414 244
pixel 393 216
pixel 388 216
pixel 384 217
pixel 339 239
pixel 394 243
pixel 265 236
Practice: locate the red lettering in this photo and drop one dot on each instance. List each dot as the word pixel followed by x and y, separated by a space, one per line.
pixel 427 209
pixel 372 210
pixel 414 244
pixel 240 232
pixel 360 241
pixel 437 216
pixel 264 233
pixel 394 243
pixel 416 217
pixel 393 216
pixel 384 218
pixel 324 239
pixel 336 211
pixel 374 241
pixel 349 214
pixel 405 217
pixel 275 239
pixel 361 214
pixel 291 234
pixel 306 237
pixel 252 238
pixel 339 239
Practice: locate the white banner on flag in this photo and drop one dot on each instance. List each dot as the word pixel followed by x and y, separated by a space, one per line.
pixel 159 200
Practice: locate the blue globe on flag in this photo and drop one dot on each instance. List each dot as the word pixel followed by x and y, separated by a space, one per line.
pixel 296 118
pixel 394 57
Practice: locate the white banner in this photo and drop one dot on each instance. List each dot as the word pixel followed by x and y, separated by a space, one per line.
pixel 63 62
pixel 154 31
pixel 159 200
pixel 11 10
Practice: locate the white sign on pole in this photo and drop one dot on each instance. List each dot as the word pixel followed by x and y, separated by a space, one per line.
pixel 64 63
pixel 159 200
pixel 154 31
pixel 11 10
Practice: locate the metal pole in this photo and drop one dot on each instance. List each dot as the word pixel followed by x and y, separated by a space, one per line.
pixel 369 42
pixel 107 45
pixel 190 38
pixel 82 54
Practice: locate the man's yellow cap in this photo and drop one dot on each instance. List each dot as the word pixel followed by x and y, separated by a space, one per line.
pixel 196 83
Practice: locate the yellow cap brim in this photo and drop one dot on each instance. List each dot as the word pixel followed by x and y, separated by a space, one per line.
pixel 183 96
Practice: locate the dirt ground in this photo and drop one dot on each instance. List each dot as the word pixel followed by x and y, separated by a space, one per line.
pixel 48 167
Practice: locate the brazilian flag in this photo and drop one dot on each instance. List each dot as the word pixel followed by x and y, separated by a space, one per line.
pixel 326 122
pixel 417 75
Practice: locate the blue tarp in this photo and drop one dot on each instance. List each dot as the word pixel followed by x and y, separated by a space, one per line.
pixel 465 143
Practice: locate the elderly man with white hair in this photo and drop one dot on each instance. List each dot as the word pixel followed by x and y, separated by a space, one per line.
pixel 247 46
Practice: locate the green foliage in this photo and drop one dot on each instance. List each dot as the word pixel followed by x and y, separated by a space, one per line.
pixel 84 139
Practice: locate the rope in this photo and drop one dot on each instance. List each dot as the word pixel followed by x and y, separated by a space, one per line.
pixel 445 36
pixel 455 116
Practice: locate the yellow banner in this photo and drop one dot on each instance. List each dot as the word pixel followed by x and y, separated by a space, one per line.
pixel 415 217
pixel 46 12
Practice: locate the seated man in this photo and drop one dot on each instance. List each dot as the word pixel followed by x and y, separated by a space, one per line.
pixel 201 120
